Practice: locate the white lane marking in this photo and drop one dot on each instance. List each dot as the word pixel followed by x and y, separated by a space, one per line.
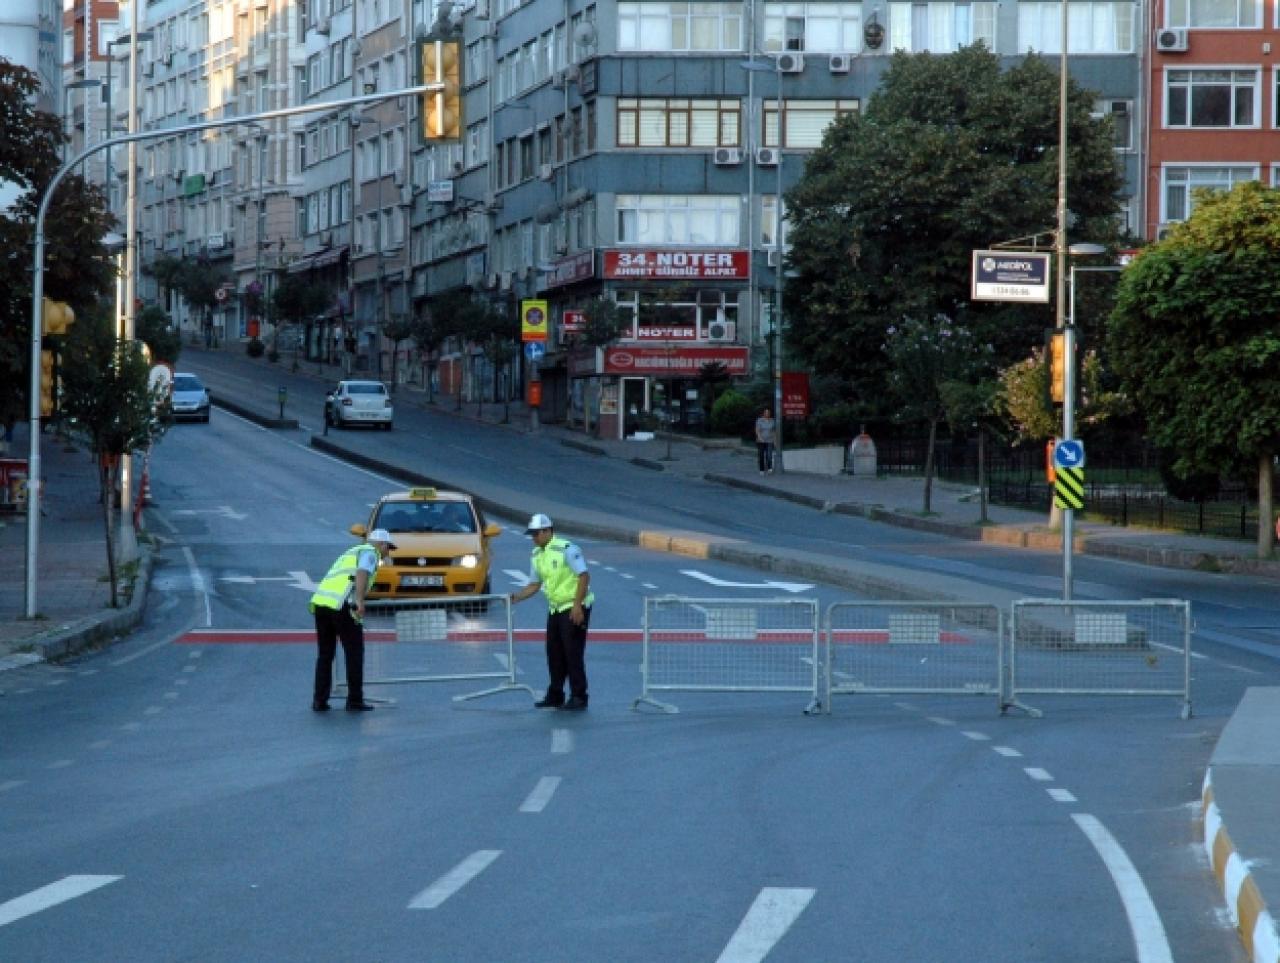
pixel 518 578
pixel 608 568
pixel 625 575
pixel 561 741
pixel 1039 775
pixel 768 920
pixel 153 710
pixel 197 581
pixel 60 764
pixel 181 681
pixel 195 654
pixel 541 795
pixel 1061 795
pixel 84 672
pixel 906 706
pixel 69 887
pixel 1240 668
pixel 975 736
pixel 792 587
pixel 131 726
pixel 100 744
pixel 1007 751
pixel 940 720
pixel 11 784
pixel 503 660
pixel 188 668
pixel 171 695
pixel 1144 921
pixel 455 879
pixel 1178 649
pixel 649 585
pixel 53 682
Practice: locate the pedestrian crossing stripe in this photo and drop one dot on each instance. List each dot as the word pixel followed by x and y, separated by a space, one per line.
pixel 1068 488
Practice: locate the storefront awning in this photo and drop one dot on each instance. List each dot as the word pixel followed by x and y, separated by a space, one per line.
pixel 321 259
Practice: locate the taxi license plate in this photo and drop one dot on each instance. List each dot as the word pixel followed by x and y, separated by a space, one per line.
pixel 422 581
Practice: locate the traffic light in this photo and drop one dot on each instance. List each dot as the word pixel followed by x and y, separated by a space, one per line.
pixel 56 317
pixel 46 383
pixel 442 109
pixel 1057 367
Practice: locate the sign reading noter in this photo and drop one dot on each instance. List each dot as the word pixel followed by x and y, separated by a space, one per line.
pixel 1005 276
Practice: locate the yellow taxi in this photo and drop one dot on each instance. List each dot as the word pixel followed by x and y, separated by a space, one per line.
pixel 442 545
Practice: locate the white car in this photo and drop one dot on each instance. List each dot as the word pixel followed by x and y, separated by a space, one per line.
pixel 188 398
pixel 358 403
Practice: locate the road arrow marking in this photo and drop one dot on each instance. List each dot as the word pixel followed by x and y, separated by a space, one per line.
pixel 519 579
pixel 224 510
pixel 792 587
pixel 298 579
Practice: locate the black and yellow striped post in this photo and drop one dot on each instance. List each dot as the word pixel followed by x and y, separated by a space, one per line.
pixel 1068 488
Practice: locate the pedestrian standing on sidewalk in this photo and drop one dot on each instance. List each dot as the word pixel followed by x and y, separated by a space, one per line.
pixel 765 435
pixel 338 607
pixel 558 568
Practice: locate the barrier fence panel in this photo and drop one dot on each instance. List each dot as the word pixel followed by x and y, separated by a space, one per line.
pixel 1133 648
pixel 440 640
pixel 918 647
pixel 729 645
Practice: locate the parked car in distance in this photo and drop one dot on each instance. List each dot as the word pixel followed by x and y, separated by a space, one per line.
pixel 358 403
pixel 188 398
pixel 442 545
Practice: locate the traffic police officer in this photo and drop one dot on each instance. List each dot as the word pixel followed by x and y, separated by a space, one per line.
pixel 558 568
pixel 338 607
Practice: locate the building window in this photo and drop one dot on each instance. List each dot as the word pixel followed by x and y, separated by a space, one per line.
pixel 1211 98
pixel 667 122
pixel 1093 28
pixel 945 27
pixel 697 219
pixel 1121 114
pixel 1213 13
pixel 824 27
pixel 805 121
pixel 679 26
pixel 769 221
pixel 1181 181
pixel 692 309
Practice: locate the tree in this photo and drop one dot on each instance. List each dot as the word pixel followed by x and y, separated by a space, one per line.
pixel 107 396
pixel 396 331
pixel 78 269
pixel 603 322
pixel 430 330
pixel 472 320
pixel 950 155
pixel 1194 340
pixel 296 301
pixel 154 329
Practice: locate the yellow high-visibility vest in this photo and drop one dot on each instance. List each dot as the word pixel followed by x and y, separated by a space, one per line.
pixel 335 588
pixel 559 581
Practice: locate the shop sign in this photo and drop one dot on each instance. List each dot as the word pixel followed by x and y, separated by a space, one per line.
pixel 533 320
pixel 584 363
pixel 440 192
pixel 659 265
pixel 570 270
pixel 795 395
pixel 637 359
pixel 573 322
pixel 667 332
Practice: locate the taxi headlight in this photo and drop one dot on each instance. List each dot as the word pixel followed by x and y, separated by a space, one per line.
pixel 467 561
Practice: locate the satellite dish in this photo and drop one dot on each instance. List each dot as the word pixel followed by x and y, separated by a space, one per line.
pixel 584 35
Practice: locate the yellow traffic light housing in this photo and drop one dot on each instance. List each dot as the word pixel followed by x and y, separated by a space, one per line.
pixel 47 378
pixel 56 317
pixel 441 62
pixel 1057 367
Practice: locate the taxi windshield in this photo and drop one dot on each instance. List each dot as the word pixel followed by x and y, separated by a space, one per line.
pixel 426 517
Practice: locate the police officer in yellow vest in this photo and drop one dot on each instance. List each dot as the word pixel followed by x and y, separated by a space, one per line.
pixel 338 606
pixel 559 569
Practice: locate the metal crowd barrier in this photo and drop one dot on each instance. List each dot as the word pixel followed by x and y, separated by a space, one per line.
pixel 729 645
pixel 1127 648
pixel 913 647
pixel 439 640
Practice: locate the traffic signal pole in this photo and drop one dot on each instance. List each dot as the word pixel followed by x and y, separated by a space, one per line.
pixel 37 284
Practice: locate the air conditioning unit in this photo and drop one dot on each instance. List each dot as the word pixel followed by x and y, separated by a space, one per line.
pixel 561 247
pixel 217 240
pixel 326 239
pixel 767 156
pixel 406 194
pixel 323 25
pixel 722 331
pixel 775 258
pixel 727 156
pixel 557 80
pixel 546 172
pixel 840 63
pixel 491 281
pixel 1172 40
pixel 504 281
pixel 149 69
pixel 167 58
pixel 1163 230
pixel 492 202
pixel 791 63
pixel 572 74
pixel 398 178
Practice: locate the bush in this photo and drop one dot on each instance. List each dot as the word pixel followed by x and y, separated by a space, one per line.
pixel 733 414
pixel 255 348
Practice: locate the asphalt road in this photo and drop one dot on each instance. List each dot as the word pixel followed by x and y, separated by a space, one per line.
pixel 172 798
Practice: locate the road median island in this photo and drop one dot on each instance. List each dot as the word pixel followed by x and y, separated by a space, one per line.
pixel 249 414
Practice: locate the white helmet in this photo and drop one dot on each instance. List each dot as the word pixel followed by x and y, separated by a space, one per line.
pixel 537 523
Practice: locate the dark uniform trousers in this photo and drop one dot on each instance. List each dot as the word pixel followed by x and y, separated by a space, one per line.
pixel 332 625
pixel 566 654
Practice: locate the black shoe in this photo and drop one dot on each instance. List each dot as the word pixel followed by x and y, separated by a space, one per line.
pixel 549 703
pixel 574 705
pixel 318 706
pixel 359 707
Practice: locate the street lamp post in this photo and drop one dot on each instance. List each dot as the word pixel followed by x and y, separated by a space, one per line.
pixel 776 333
pixel 83 84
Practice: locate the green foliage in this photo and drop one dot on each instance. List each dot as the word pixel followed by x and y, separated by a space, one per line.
pixel 949 155
pixel 297 300
pixel 78 269
pixel 1021 397
pixel 255 348
pixel 733 414
pixel 197 280
pixel 154 329
pixel 604 322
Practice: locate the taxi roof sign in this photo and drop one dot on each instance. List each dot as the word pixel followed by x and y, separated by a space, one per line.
pixel 422 493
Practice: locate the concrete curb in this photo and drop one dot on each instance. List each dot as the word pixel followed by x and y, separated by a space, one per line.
pixel 1248 910
pixel 98 630
pixel 250 415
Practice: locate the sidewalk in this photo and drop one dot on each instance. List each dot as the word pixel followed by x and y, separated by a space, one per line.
pixel 1242 786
